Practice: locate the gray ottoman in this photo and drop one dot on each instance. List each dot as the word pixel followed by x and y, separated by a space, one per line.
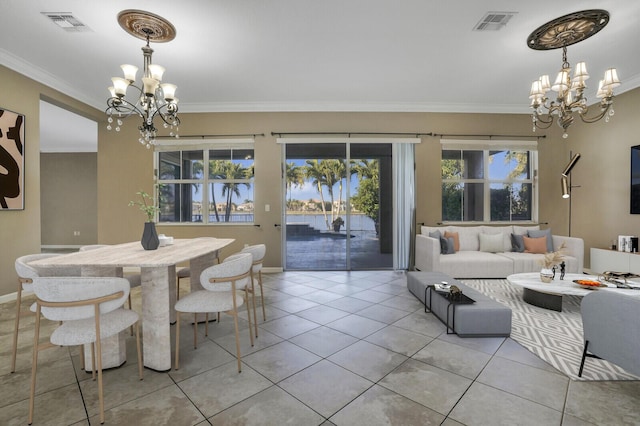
pixel 484 318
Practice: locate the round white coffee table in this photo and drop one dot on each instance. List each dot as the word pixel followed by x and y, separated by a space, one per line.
pixel 549 296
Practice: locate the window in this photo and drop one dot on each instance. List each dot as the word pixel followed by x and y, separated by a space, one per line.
pixel 212 183
pixel 490 183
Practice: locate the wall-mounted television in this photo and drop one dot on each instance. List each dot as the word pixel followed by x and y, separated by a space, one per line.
pixel 635 180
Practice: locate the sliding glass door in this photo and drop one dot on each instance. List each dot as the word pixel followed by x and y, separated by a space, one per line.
pixel 338 206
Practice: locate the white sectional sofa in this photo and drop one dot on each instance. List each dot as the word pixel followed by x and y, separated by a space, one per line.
pixel 470 262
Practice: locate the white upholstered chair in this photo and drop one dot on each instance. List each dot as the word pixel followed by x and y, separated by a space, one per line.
pixel 26 274
pixel 184 273
pixel 258 252
pixel 611 327
pixel 90 309
pixel 221 284
pixel 135 280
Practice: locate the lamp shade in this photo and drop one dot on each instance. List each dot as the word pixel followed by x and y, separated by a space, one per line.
pixel 562 81
pixel 156 71
pixel 120 86
pixel 580 74
pixel 150 85
pixel 611 80
pixel 129 72
pixel 169 91
pixel 564 183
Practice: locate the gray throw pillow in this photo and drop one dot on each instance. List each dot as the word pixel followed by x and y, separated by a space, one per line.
pixel 517 243
pixel 543 233
pixel 435 234
pixel 443 243
pixel 447 245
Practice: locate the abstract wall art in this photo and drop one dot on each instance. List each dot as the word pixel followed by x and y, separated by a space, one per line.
pixel 11 160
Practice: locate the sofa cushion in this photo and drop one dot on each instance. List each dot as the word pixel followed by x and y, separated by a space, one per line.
pixel 543 233
pixel 505 231
pixel 467 236
pixel 491 243
pixel 522 230
pixel 529 262
pixel 476 264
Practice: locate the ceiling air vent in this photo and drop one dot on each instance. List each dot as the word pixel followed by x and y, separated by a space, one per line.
pixel 67 22
pixel 493 21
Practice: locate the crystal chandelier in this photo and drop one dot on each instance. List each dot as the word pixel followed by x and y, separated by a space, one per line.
pixel 569 96
pixel 150 99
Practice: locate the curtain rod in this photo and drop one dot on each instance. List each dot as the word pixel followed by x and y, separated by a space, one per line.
pixel 452 135
pixel 241 135
pixel 416 134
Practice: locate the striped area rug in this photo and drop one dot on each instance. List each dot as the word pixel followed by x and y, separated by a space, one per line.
pixel 556 337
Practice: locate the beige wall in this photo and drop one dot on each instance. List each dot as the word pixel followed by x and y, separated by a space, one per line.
pixel 600 207
pixel 68 198
pixel 20 230
pixel 125 166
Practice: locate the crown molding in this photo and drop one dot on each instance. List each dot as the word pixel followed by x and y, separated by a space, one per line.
pixel 33 72
pixel 352 107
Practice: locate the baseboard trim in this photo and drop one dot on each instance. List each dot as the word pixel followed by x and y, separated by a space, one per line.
pixel 5 298
pixel 272 270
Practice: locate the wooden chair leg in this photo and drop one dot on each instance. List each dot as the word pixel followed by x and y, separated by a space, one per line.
pixel 14 349
pixel 246 295
pixel 34 363
pixel 235 322
pixel 99 361
pixel 206 324
pixel 264 313
pixel 253 299
pixel 93 362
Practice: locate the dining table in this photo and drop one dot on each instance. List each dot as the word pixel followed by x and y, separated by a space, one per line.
pixel 158 284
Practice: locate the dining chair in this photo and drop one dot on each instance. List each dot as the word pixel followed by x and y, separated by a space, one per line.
pixel 135 279
pixel 186 273
pixel 26 274
pixel 221 284
pixel 258 252
pixel 90 309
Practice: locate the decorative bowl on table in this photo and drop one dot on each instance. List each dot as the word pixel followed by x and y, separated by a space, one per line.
pixel 589 284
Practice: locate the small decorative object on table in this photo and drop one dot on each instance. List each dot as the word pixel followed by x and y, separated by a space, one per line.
pixel 149 239
pixel 549 261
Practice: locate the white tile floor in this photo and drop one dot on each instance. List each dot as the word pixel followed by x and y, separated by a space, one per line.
pixel 338 348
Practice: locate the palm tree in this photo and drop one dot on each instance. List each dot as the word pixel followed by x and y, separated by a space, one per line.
pixel 314 171
pixel 336 172
pixel 216 171
pixel 233 172
pixel 295 177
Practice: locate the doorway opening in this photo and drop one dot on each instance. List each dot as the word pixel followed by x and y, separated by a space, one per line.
pixel 338 206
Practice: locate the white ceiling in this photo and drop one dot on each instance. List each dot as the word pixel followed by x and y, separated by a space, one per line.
pixel 329 55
